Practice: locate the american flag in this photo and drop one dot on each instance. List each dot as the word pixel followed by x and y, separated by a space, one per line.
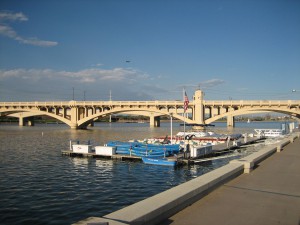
pixel 186 102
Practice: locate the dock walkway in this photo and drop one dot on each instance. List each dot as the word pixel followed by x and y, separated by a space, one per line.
pixel 270 194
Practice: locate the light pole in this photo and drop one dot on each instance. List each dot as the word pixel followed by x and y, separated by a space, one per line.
pixel 294 90
pixel 110 100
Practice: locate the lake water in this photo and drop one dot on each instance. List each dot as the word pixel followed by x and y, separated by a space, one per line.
pixel 40 186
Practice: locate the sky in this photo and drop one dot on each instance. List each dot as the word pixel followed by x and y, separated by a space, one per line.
pixel 97 50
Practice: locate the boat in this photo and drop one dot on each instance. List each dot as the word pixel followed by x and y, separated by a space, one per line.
pixel 78 147
pixel 159 161
pixel 81 148
pixel 140 149
pixel 269 132
pixel 195 133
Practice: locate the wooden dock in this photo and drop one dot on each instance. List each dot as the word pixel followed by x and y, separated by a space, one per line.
pixel 217 151
pixel 94 155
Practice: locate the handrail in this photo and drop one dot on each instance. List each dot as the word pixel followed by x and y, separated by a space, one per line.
pixel 156 102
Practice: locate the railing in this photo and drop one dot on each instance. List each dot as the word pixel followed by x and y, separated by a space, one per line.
pixel 252 103
pixel 90 103
pixel 153 103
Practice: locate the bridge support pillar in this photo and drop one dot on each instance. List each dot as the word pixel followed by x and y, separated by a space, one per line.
pixel 23 121
pixel 74 126
pixel 199 107
pixel 154 121
pixel 230 121
pixel 30 121
pixel 74 118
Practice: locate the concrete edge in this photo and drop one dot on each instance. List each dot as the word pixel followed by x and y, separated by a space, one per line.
pixel 252 160
pixel 167 203
pixel 163 205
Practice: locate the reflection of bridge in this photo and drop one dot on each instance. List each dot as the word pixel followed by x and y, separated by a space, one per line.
pixel 79 114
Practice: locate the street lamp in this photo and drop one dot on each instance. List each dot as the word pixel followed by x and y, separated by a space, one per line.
pixel 110 100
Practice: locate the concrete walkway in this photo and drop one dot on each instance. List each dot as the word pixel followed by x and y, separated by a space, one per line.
pixel 270 194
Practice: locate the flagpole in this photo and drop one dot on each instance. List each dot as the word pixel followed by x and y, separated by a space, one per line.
pixel 183 91
pixel 185 108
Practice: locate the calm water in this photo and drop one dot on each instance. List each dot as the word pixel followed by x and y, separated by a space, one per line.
pixel 40 186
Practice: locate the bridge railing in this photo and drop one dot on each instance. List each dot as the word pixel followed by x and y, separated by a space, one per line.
pixel 154 103
pixel 252 102
pixel 90 103
pixel 4 104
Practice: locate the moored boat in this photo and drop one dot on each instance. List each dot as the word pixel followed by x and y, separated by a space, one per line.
pixel 269 132
pixel 141 149
pixel 159 161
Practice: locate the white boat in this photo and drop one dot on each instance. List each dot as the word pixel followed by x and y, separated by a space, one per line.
pixel 196 133
pixel 82 148
pixel 77 147
pixel 269 132
pixel 105 150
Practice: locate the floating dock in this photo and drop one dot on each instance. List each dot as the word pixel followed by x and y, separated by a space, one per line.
pixel 94 155
pixel 214 154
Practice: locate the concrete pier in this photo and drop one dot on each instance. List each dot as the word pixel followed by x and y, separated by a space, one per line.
pixel 270 194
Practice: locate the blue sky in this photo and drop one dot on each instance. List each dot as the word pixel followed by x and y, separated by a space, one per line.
pixel 149 50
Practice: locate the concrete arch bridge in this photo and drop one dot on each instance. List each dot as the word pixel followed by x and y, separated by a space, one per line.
pixel 79 114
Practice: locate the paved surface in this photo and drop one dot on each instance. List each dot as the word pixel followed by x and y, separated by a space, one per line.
pixel 270 194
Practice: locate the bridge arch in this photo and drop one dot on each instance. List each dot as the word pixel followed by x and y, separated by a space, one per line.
pixel 251 111
pixel 83 122
pixel 39 112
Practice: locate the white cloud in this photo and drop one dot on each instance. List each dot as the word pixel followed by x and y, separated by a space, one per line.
pixel 36 42
pixel 211 83
pixel 22 83
pixel 84 76
pixel 8 31
pixel 6 15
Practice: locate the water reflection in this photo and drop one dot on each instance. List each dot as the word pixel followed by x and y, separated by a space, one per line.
pixel 80 162
pixel 40 186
